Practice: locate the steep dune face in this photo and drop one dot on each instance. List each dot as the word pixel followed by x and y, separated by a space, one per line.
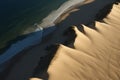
pixel 96 55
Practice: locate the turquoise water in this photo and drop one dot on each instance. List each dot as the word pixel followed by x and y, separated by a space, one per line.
pixel 18 15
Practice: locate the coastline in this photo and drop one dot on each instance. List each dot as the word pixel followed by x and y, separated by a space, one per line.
pixel 70 10
pixel 53 24
pixel 27 18
pixel 56 14
pixel 7 52
pixel 57 23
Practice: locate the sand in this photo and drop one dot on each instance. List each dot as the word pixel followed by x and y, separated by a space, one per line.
pixel 23 69
pixel 95 56
pixel 35 79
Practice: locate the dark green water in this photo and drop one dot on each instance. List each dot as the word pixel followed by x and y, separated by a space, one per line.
pixel 18 15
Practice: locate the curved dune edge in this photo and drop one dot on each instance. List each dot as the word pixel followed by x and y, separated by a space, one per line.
pixel 95 55
pixel 35 79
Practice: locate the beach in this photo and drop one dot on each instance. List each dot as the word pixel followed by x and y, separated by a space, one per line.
pixel 26 64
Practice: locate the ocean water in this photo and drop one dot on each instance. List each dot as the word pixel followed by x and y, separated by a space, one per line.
pixel 18 15
pixel 17 23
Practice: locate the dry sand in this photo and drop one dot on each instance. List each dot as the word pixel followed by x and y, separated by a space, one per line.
pixel 24 67
pixel 35 79
pixel 96 55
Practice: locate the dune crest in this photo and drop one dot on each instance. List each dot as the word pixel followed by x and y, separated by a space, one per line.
pixel 95 55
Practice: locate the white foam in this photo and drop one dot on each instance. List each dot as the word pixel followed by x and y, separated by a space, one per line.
pixel 49 20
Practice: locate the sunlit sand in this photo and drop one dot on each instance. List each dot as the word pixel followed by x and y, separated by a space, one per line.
pixel 96 54
pixel 35 79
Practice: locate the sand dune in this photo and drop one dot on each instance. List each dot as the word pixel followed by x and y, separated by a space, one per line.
pixel 35 56
pixel 95 56
pixel 89 53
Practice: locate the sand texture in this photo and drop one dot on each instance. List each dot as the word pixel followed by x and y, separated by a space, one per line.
pixel 96 53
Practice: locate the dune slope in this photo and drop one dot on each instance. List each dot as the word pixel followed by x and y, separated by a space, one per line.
pixel 96 53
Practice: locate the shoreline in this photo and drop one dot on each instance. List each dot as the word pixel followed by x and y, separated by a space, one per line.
pixel 71 9
pixel 56 21
pixel 27 19
pixel 58 13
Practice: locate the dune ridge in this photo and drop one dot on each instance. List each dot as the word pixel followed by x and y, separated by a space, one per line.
pixel 95 55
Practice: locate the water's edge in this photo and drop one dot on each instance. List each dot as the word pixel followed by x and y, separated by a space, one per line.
pixel 34 37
